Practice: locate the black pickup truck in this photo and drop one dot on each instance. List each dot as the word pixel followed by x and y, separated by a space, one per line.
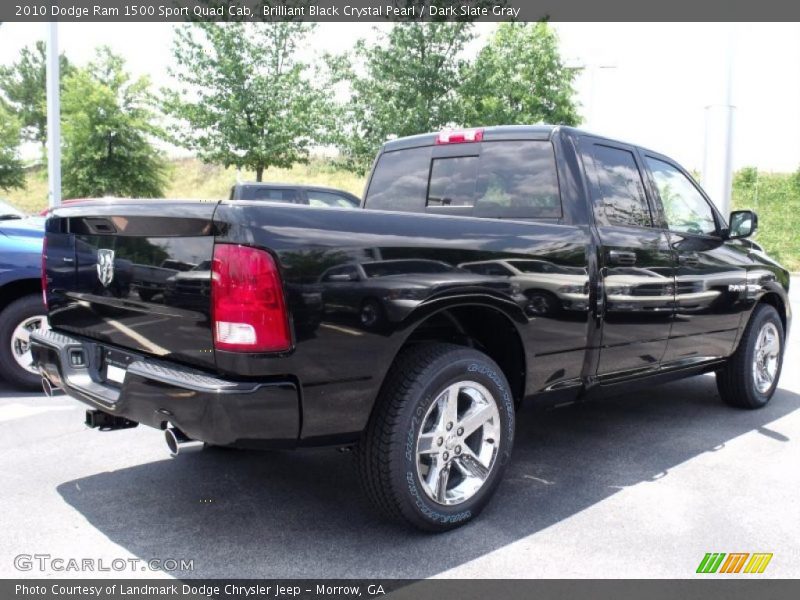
pixel 486 267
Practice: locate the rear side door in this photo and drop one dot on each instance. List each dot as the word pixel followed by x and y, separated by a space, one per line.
pixel 710 273
pixel 637 265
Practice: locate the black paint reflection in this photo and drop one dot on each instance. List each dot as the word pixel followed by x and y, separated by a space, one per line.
pixel 371 294
pixel 548 288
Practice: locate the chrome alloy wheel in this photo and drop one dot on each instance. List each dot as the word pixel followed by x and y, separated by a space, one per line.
pixel 458 443
pixel 765 357
pixel 21 341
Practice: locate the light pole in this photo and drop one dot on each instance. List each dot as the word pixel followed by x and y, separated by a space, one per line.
pixel 53 118
pixel 718 154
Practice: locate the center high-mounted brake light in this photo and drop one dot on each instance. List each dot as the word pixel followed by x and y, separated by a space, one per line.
pixel 248 309
pixel 459 136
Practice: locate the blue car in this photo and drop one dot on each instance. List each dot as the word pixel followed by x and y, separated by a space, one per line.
pixel 21 307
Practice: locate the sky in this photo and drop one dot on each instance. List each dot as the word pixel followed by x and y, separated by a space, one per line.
pixel 645 83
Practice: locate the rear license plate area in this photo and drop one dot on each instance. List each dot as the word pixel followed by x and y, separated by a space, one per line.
pixel 114 366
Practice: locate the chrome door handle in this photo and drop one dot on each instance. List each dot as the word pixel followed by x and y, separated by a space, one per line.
pixel 688 259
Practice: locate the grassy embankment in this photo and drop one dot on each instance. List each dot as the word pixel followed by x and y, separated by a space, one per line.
pixel 773 196
pixel 189 178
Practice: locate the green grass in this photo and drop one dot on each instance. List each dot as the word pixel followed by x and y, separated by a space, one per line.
pixel 190 178
pixel 776 199
pixel 774 196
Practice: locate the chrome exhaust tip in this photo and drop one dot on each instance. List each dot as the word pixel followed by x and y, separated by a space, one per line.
pixel 175 438
pixel 47 387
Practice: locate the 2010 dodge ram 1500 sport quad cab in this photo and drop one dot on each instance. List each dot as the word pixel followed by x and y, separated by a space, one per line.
pixel 486 267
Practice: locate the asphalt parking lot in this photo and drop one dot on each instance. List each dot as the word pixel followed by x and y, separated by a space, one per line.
pixel 640 485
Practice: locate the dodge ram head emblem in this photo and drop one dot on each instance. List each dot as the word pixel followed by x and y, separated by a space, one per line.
pixel 105 266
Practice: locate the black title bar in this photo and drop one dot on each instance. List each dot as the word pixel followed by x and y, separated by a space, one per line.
pixel 372 11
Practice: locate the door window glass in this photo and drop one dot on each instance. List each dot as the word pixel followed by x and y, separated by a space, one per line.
pixel 685 208
pixel 621 199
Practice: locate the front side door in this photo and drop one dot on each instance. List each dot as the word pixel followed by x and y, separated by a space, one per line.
pixel 710 275
pixel 637 265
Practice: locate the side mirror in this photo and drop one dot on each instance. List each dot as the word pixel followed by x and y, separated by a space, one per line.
pixel 742 224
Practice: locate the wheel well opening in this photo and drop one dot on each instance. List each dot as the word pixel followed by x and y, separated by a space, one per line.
pixel 775 301
pixel 484 329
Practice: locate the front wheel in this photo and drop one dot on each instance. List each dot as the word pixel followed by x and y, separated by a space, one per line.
pixel 440 438
pixel 750 377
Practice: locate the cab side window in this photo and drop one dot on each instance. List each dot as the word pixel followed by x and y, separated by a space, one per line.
pixel 685 208
pixel 620 197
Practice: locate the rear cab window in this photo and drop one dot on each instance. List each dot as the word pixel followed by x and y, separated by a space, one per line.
pixel 494 179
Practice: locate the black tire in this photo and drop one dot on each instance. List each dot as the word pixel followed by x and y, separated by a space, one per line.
pixel 13 315
pixel 387 452
pixel 736 382
pixel 541 303
pixel 371 314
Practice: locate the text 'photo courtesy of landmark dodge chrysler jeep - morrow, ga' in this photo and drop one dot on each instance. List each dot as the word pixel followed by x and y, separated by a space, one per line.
pixel 486 267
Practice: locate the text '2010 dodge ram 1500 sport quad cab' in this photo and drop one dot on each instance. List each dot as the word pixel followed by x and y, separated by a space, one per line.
pixel 486 267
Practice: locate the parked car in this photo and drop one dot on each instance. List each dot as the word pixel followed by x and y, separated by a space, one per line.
pixel 428 399
pixel 21 308
pixel 548 287
pixel 8 212
pixel 295 194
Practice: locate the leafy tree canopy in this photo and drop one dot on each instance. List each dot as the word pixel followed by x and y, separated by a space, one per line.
pixel 243 98
pixel 108 131
pixel 404 84
pixel 519 78
pixel 23 86
pixel 11 173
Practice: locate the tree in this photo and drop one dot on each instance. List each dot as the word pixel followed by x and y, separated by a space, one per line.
pixel 11 173
pixel 107 133
pixel 23 85
pixel 244 100
pixel 519 78
pixel 410 85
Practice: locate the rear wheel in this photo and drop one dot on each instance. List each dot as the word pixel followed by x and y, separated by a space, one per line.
pixel 439 440
pixel 750 377
pixel 17 321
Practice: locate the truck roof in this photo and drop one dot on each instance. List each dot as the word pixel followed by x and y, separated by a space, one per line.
pixel 496 133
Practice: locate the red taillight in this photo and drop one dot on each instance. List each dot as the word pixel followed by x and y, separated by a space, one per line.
pixel 459 136
pixel 44 271
pixel 248 309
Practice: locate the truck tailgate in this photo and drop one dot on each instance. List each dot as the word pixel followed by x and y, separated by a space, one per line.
pixel 134 276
